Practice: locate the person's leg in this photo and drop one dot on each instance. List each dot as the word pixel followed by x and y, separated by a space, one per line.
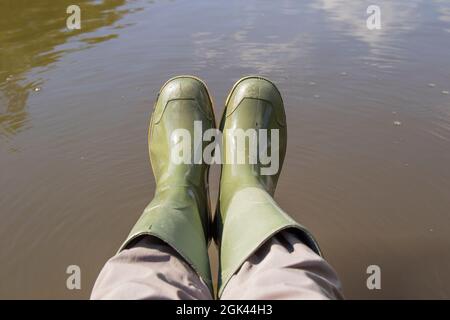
pixel 248 216
pixel 179 214
pixel 284 268
pixel 149 270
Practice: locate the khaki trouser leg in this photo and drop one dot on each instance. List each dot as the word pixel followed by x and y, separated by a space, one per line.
pixel 149 270
pixel 283 268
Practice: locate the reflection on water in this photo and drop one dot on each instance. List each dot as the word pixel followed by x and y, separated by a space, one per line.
pixel 263 56
pixel 400 16
pixel 443 10
pixel 368 116
pixel 30 34
pixel 13 115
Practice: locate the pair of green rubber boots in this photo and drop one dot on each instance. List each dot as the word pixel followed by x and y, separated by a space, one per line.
pixel 246 214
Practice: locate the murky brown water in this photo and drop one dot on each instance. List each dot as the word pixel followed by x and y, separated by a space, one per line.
pixel 368 162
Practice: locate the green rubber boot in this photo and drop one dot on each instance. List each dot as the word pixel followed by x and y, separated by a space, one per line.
pixel 179 213
pixel 247 214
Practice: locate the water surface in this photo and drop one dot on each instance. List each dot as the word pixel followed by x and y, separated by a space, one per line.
pixel 367 167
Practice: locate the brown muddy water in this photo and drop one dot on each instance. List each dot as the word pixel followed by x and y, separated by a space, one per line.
pixel 368 161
